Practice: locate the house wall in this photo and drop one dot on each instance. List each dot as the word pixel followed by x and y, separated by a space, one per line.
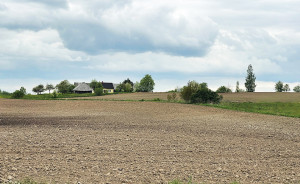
pixel 108 90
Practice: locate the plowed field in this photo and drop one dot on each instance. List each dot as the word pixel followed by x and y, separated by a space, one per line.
pixel 227 97
pixel 144 142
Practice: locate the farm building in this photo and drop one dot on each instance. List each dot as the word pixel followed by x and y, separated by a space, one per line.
pixel 82 88
pixel 108 87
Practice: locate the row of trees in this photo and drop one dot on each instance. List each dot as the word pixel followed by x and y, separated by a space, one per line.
pixel 250 84
pixel 281 87
pixel 63 87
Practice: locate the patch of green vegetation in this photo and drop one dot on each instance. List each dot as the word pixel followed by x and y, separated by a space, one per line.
pixel 275 108
pixel 59 95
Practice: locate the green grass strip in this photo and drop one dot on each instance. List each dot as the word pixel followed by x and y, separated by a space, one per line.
pixel 274 108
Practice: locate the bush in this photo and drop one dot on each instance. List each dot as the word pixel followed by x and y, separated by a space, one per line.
pixel 18 94
pixel 172 97
pixel 99 91
pixel 54 94
pixel 206 96
pixel 191 88
pixel 224 89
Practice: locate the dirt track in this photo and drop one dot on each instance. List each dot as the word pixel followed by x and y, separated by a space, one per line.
pixel 144 142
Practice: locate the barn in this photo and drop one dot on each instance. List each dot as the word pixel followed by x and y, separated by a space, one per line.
pixel 83 88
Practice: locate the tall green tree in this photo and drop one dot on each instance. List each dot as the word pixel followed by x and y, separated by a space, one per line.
pixel 146 84
pixel 23 90
pixel 49 87
pixel 237 88
pixel 65 87
pixel 279 86
pixel 250 80
pixel 95 84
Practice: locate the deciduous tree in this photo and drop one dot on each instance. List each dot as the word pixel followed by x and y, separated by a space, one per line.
pixel 279 86
pixel 297 89
pixel 38 89
pixel 147 84
pixel 49 87
pixel 286 88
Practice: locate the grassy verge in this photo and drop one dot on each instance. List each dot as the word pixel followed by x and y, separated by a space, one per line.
pixel 59 96
pixel 273 108
pixel 49 96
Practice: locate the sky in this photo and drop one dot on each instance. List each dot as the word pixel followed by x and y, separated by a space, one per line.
pixel 47 41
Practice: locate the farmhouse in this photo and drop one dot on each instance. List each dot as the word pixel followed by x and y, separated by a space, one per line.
pixel 82 88
pixel 108 87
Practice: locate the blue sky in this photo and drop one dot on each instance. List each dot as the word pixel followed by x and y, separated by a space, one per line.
pixel 175 41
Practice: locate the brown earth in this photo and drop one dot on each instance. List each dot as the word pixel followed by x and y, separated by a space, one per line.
pixel 227 97
pixel 261 97
pixel 132 96
pixel 144 142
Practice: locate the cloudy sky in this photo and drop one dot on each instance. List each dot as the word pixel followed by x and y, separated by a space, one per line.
pixel 46 41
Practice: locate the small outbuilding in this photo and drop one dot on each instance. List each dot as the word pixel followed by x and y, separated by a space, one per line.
pixel 83 88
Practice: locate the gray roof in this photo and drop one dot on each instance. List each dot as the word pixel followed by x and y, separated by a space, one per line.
pixel 108 85
pixel 83 87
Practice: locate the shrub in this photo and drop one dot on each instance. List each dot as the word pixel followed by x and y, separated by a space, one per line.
pixel 172 97
pixel 99 91
pixel 206 96
pixel 224 89
pixel 54 94
pixel 191 88
pixel 156 99
pixel 18 94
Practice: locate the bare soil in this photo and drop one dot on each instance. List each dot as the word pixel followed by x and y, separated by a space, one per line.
pixel 144 142
pixel 227 97
pixel 132 96
pixel 261 97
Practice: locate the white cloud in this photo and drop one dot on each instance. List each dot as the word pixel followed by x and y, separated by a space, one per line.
pixel 38 45
pixel 192 38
